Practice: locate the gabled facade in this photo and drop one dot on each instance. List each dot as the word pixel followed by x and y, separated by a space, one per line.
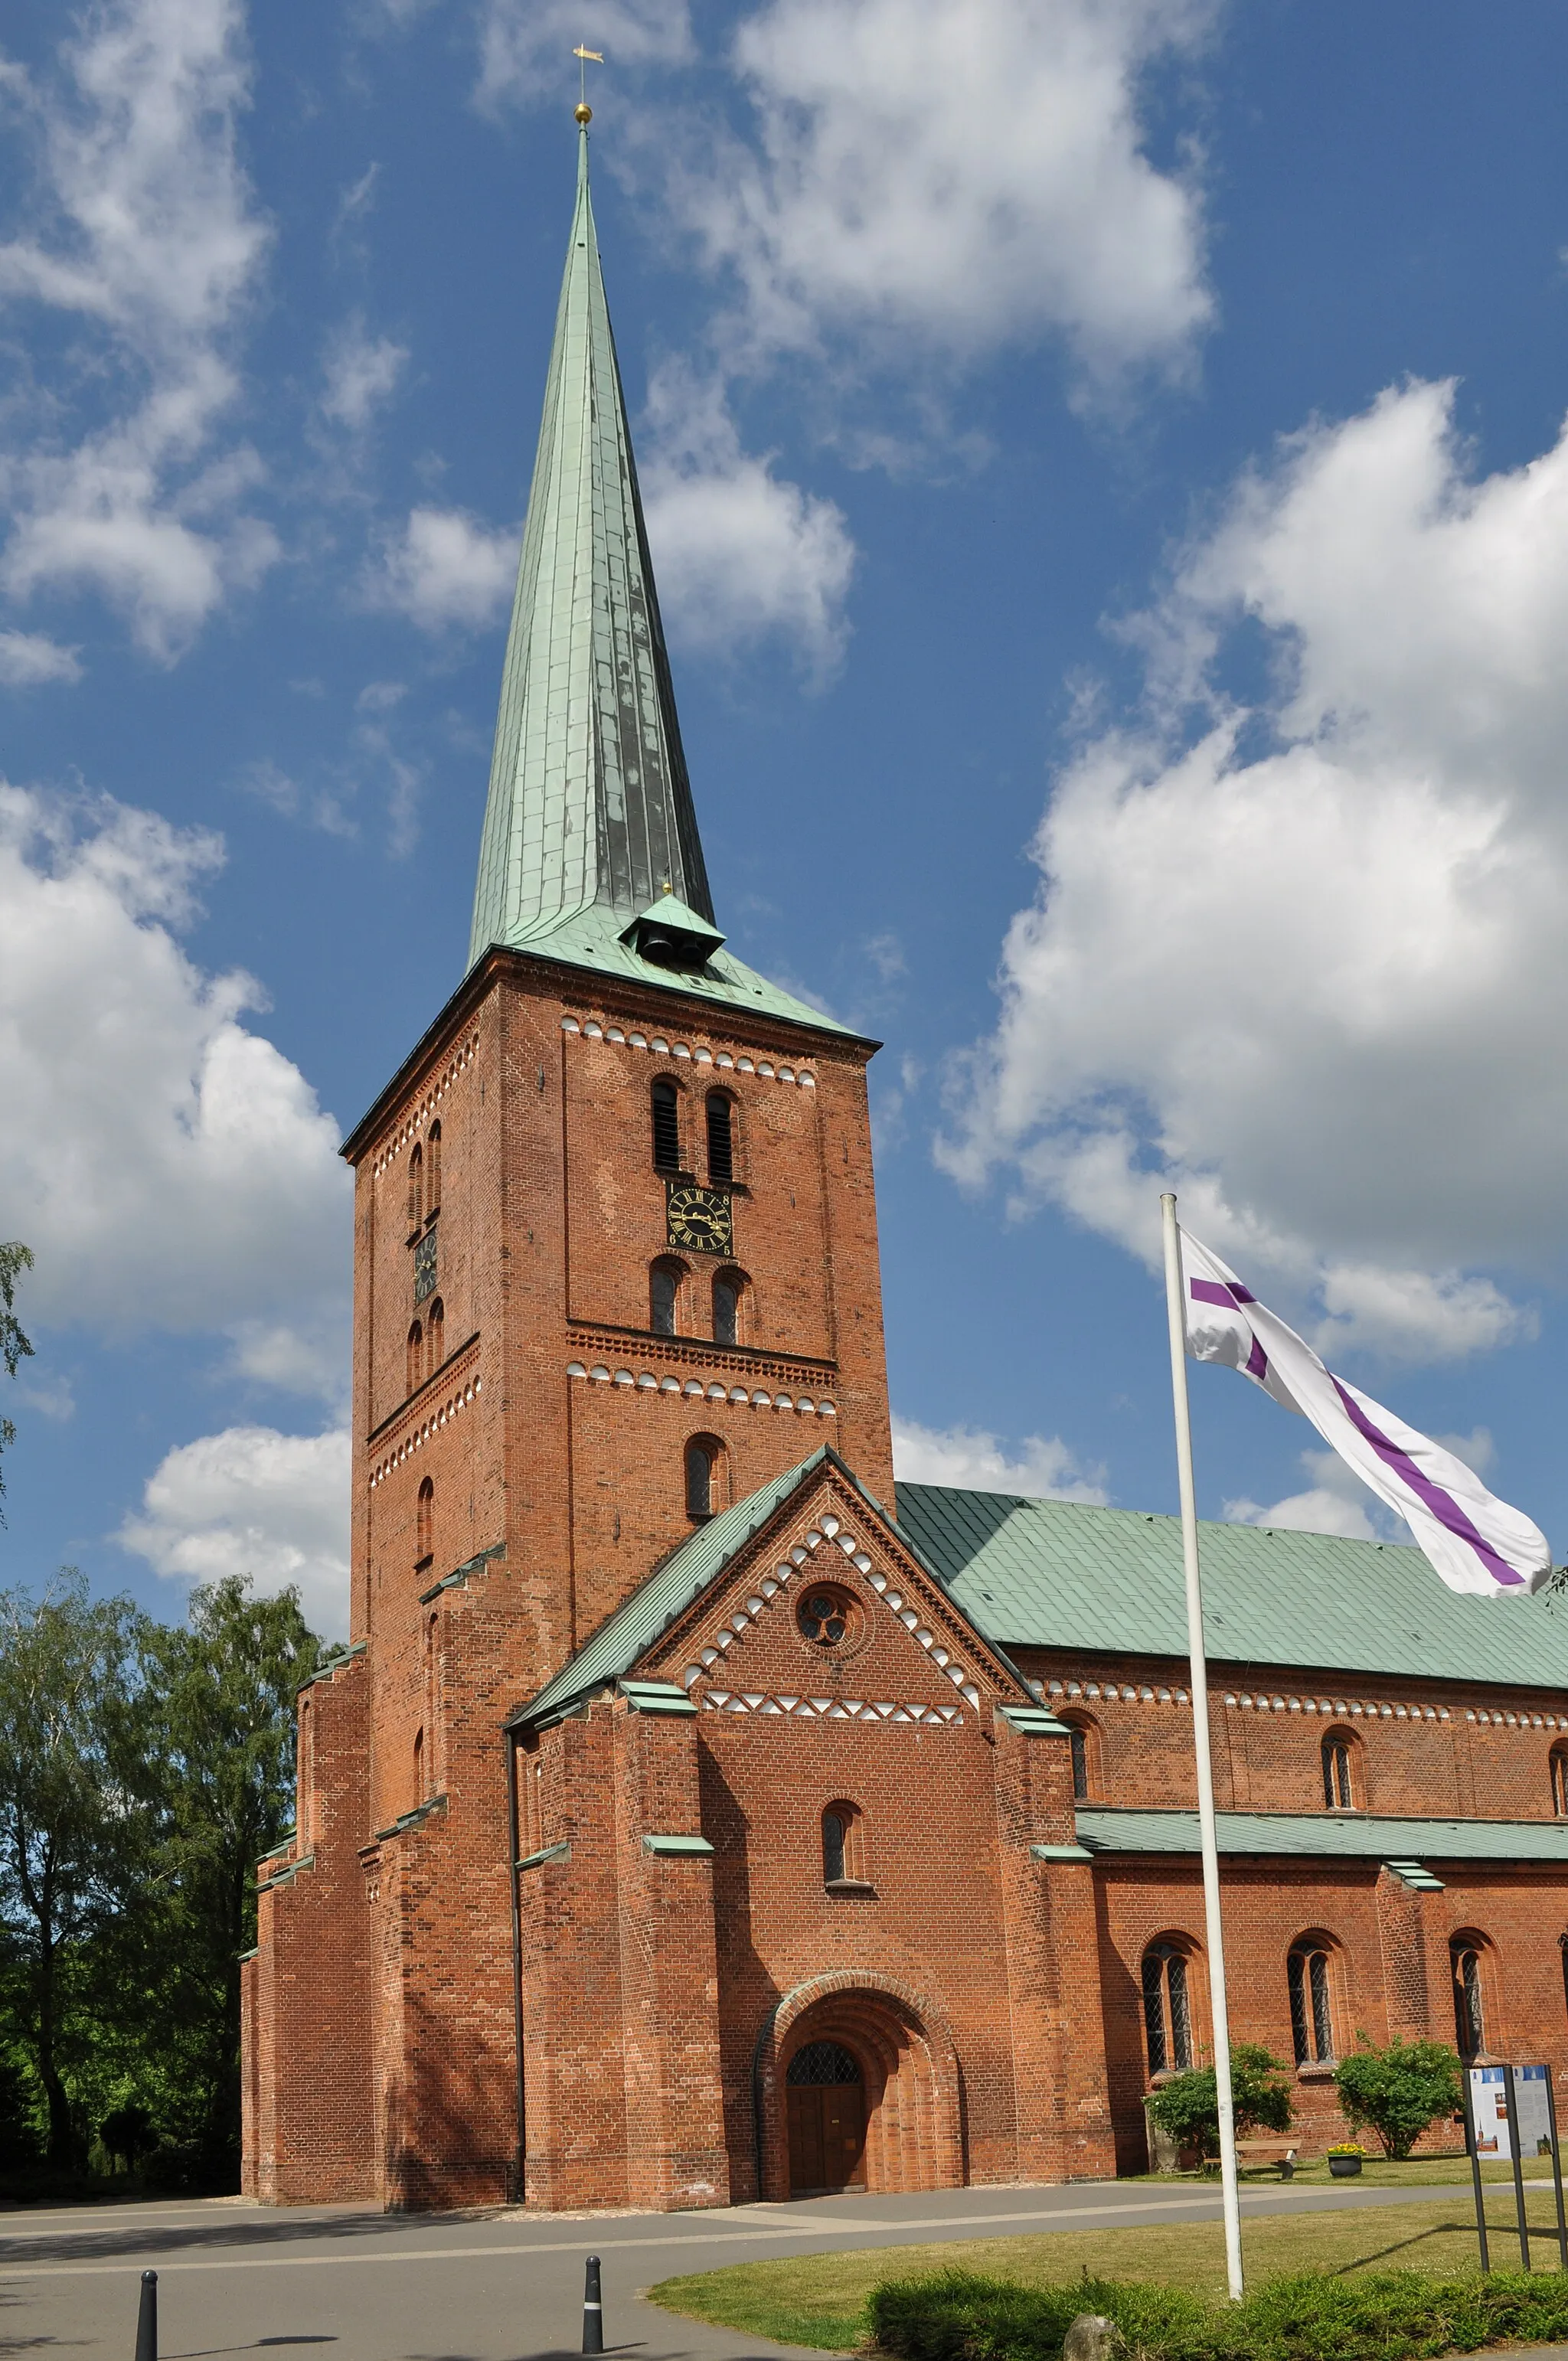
pixel 691 1818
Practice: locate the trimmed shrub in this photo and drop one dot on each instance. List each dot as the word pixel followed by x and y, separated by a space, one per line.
pixel 1397 2091
pixel 1188 2106
pixel 1396 2316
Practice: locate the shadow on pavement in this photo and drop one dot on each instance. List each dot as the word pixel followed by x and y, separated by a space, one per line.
pixel 177 2238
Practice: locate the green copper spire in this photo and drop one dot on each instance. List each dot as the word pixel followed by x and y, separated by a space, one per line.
pixel 589 801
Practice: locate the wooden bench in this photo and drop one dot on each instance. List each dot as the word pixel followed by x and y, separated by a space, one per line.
pixel 1281 2152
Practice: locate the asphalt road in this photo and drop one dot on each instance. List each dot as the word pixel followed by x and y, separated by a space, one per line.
pixel 236 2278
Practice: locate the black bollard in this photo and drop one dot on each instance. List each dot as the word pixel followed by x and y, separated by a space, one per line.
pixel 593 2310
pixel 147 2319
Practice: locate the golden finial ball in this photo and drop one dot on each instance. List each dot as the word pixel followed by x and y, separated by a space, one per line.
pixel 584 112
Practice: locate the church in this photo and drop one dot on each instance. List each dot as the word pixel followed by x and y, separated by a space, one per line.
pixel 697 1815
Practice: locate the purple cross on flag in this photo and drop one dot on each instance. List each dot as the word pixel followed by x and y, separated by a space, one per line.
pixel 1474 1541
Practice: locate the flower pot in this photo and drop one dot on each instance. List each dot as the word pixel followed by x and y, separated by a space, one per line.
pixel 1345 2168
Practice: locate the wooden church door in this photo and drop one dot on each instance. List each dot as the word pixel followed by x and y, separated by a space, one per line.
pixel 827 2120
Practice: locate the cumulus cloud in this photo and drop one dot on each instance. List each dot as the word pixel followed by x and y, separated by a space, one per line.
pixel 740 553
pixel 524 43
pixel 167 1164
pixel 253 1501
pixel 360 372
pixel 1302 959
pixel 957 175
pixel 141 228
pixel 445 570
pixel 26 658
pixel 1044 1469
pixel 1335 1501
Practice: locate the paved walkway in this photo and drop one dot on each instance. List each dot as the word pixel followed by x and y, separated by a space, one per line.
pixel 236 2278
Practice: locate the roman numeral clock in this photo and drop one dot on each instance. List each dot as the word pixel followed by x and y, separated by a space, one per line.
pixel 699 1219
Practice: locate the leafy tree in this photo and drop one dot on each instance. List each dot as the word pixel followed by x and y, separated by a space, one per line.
pixel 15 1258
pixel 225 1684
pixel 1397 2091
pixel 74 1829
pixel 1188 2106
pixel 127 2133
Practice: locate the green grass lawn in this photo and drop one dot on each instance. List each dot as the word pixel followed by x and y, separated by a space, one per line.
pixel 819 2299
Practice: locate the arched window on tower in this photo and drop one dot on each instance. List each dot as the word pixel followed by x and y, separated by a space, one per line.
pixel 1341 1769
pixel 1309 1973
pixel 720 1140
pixel 1560 1781
pixel 1168 2009
pixel 666 1127
pixel 419 1766
pixel 728 1297
pixel 703 1458
pixel 1085 1742
pixel 416 1188
pixel 432 1171
pixel 424 1524
pixel 1467 1958
pixel 415 1374
pixel 665 1298
pixel 843 1845
pixel 435 1352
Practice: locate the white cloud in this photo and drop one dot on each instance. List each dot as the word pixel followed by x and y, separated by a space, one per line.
pixel 740 555
pixel 445 570
pixel 958 174
pixel 1336 1502
pixel 252 1501
pixel 525 44
pixel 26 658
pixel 169 1167
pixel 143 228
pixel 1310 969
pixel 360 373
pixel 52 1397
pixel 1318 1511
pixel 1044 1469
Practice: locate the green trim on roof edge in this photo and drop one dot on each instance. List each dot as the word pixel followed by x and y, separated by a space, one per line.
pixel 1330 1836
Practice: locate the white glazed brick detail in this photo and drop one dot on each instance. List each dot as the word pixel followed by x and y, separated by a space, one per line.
pixel 413 1127
pixel 1278 1701
pixel 708 1389
pixel 832 1532
pixel 428 1426
pixel 590 1028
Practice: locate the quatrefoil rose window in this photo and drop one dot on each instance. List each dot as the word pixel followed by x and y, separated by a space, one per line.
pixel 827 1616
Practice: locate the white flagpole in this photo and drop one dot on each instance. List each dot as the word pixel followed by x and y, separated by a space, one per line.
pixel 1176 1307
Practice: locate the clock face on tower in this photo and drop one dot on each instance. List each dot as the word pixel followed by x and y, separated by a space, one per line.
pixel 699 1219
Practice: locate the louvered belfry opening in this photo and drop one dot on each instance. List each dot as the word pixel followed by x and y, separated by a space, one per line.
pixel 666 1127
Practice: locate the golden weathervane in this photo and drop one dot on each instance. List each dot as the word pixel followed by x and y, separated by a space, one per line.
pixel 585 112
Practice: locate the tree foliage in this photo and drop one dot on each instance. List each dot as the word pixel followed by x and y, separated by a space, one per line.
pixel 15 1258
pixel 1397 2091
pixel 1188 2106
pixel 144 1768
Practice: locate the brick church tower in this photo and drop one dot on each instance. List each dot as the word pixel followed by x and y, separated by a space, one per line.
pixel 686 1821
pixel 618 1348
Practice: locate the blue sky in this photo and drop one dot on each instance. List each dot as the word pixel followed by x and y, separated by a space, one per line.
pixel 1104 477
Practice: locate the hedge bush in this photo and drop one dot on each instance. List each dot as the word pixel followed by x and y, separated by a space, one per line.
pixel 958 2316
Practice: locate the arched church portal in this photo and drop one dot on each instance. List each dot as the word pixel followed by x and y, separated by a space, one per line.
pixel 857 2088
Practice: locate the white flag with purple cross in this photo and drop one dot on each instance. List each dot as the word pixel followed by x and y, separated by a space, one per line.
pixel 1474 1541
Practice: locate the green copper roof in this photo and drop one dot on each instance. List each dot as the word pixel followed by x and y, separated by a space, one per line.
pixel 589 802
pixel 1052 1574
pixel 591 939
pixel 650 1611
pixel 1328 1835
